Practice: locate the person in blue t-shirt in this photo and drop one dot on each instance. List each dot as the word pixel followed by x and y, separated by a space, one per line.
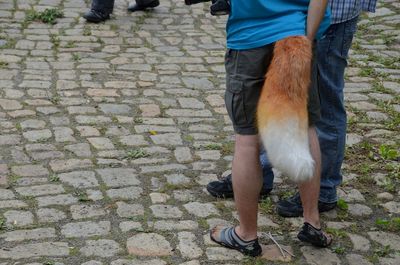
pixel 252 29
pixel 332 49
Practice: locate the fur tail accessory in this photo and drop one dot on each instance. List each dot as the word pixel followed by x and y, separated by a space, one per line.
pixel 282 115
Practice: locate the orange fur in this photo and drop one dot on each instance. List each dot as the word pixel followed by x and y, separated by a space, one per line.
pixel 283 101
pixel 287 80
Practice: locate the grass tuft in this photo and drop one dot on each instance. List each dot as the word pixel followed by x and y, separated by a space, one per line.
pixel 48 16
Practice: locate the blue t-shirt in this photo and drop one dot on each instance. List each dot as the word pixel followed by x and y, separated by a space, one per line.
pixel 255 23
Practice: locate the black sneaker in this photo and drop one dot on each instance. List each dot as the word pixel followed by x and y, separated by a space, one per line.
pixel 314 236
pixel 96 16
pixel 291 207
pixel 223 188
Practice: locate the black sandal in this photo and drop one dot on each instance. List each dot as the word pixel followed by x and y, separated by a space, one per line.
pixel 227 237
pixel 314 236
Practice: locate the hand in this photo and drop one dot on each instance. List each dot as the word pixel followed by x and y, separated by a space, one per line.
pixel 311 37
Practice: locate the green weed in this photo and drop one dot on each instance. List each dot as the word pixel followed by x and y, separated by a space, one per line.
pixel 388 153
pixel 171 187
pixel 203 223
pixel 70 44
pixel 337 233
pixel 392 225
pixel 339 250
pixel 138 120
pixel 54 178
pixel 86 31
pixel 13 179
pixel 82 196
pixel 213 146
pixel 55 100
pixel 342 205
pixel 3 64
pixel 114 27
pixel 253 261
pixel 10 43
pixel 222 207
pixel 135 154
pixel 383 252
pixel 267 206
pixel 55 40
pixel 188 138
pixel 48 16
pixel 76 57
pixel 73 251
pixel 227 148
pixel 2 223
pixel 18 126
pixel 367 72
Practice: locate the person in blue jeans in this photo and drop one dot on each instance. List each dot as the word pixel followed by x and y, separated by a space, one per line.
pixel 332 52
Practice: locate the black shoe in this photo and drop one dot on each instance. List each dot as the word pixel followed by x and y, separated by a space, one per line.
pixel 223 188
pixel 291 207
pixel 135 7
pixel 314 236
pixel 96 16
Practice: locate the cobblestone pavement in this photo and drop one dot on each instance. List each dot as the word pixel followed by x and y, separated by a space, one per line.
pixel 110 132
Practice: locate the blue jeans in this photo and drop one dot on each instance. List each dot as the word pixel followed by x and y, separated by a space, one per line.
pixel 268 175
pixel 333 49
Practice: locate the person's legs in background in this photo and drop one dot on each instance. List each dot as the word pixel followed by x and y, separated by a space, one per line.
pixel 100 11
pixel 267 174
pixel 223 188
pixel 140 5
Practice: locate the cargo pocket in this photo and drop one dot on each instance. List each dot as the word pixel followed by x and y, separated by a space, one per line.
pixel 234 102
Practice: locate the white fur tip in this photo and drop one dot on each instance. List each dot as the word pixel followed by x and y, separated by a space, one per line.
pixel 288 150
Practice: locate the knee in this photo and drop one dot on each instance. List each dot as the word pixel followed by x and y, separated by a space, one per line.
pixel 250 141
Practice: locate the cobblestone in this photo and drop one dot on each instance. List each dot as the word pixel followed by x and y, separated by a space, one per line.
pixel 34 250
pixel 386 239
pixel 50 215
pixel 86 229
pixel 79 179
pixel 63 199
pixel 119 177
pixel 34 234
pixel 150 244
pixel 111 131
pixel 18 218
pixel 47 189
pixel 187 245
pixel 86 211
pixel 101 248
pixel 359 242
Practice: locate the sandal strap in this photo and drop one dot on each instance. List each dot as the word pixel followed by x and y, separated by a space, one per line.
pixel 230 239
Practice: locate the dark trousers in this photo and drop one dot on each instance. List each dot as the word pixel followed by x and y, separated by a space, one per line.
pixel 107 6
pixel 144 2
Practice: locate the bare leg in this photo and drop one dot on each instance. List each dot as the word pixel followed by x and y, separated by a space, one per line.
pixel 247 183
pixel 309 190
